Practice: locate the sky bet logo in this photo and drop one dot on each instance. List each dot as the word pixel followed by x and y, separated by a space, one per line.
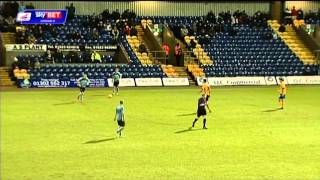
pixel 23 16
pixel 49 15
pixel 42 16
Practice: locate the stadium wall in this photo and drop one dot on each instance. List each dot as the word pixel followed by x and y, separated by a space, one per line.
pixel 157 8
pixel 304 5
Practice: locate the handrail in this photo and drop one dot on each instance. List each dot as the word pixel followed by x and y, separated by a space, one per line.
pixel 125 52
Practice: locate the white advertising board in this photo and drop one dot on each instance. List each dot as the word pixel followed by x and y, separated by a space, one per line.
pixel 26 47
pixel 303 79
pixel 148 81
pixel 270 80
pixel 175 81
pixel 124 82
pixel 236 81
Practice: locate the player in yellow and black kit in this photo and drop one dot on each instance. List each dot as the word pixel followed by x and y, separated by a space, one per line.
pixel 283 92
pixel 206 90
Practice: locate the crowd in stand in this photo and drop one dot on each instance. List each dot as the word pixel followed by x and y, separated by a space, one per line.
pixel 211 24
pixel 8 14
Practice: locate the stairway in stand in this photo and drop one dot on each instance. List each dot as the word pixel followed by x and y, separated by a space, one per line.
pixel 5 79
pixel 295 43
pixel 182 73
pixel 8 38
pixel 140 36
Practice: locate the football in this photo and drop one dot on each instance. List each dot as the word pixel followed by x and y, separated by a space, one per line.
pixel 110 95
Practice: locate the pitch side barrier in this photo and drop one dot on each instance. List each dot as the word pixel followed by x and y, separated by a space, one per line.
pixel 259 81
pixel 156 82
pixel 124 82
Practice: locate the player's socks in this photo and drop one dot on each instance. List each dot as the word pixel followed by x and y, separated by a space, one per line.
pixel 204 123
pixel 194 122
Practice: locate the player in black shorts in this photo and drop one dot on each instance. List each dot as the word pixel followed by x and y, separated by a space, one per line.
pixel 202 104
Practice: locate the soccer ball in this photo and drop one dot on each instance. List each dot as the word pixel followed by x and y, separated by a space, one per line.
pixel 110 95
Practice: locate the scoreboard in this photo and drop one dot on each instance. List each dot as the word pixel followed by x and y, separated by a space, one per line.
pixel 42 16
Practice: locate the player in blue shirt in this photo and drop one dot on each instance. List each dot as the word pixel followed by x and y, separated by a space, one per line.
pixel 119 116
pixel 82 82
pixel 202 104
pixel 116 76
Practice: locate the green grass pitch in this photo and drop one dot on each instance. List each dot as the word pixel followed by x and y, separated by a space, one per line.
pixel 47 135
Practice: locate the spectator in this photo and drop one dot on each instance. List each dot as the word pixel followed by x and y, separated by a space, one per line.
pixel 73 57
pixel 106 15
pixel 115 33
pixel 31 39
pixel 274 35
pixel 127 30
pixel 288 16
pixel 22 7
pixel 30 6
pixel 299 14
pixel 48 57
pixel 178 53
pixel 192 44
pixel 71 11
pixel 58 55
pixel 167 51
pixel 115 15
pixel 282 28
pixel 134 32
pixel 95 34
pixel 37 64
pixel 95 57
pixel 142 48
pixel 15 9
pixel 268 36
pixel 294 13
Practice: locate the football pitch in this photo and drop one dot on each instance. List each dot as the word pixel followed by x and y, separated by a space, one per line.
pixel 47 135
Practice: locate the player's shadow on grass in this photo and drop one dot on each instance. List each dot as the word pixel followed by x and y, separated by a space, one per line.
pixel 65 103
pixel 272 110
pixel 186 130
pixel 189 114
pixel 100 141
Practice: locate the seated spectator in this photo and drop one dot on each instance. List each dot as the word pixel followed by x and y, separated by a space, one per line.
pixel 134 32
pixel 96 57
pixel 193 44
pixel 268 36
pixel 48 57
pixel 299 14
pixel 282 28
pixel 74 58
pixel 31 39
pixel 37 64
pixel 58 56
pixel 127 30
pixel 274 35
pixel 115 15
pixel 142 48
pixel 95 34
pixel 106 15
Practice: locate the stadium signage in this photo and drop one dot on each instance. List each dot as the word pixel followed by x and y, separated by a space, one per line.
pixel 27 47
pixel 270 80
pixel 175 81
pixel 124 82
pixel 148 81
pixel 303 79
pixel 59 83
pixel 77 48
pixel 234 81
pixel 42 16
